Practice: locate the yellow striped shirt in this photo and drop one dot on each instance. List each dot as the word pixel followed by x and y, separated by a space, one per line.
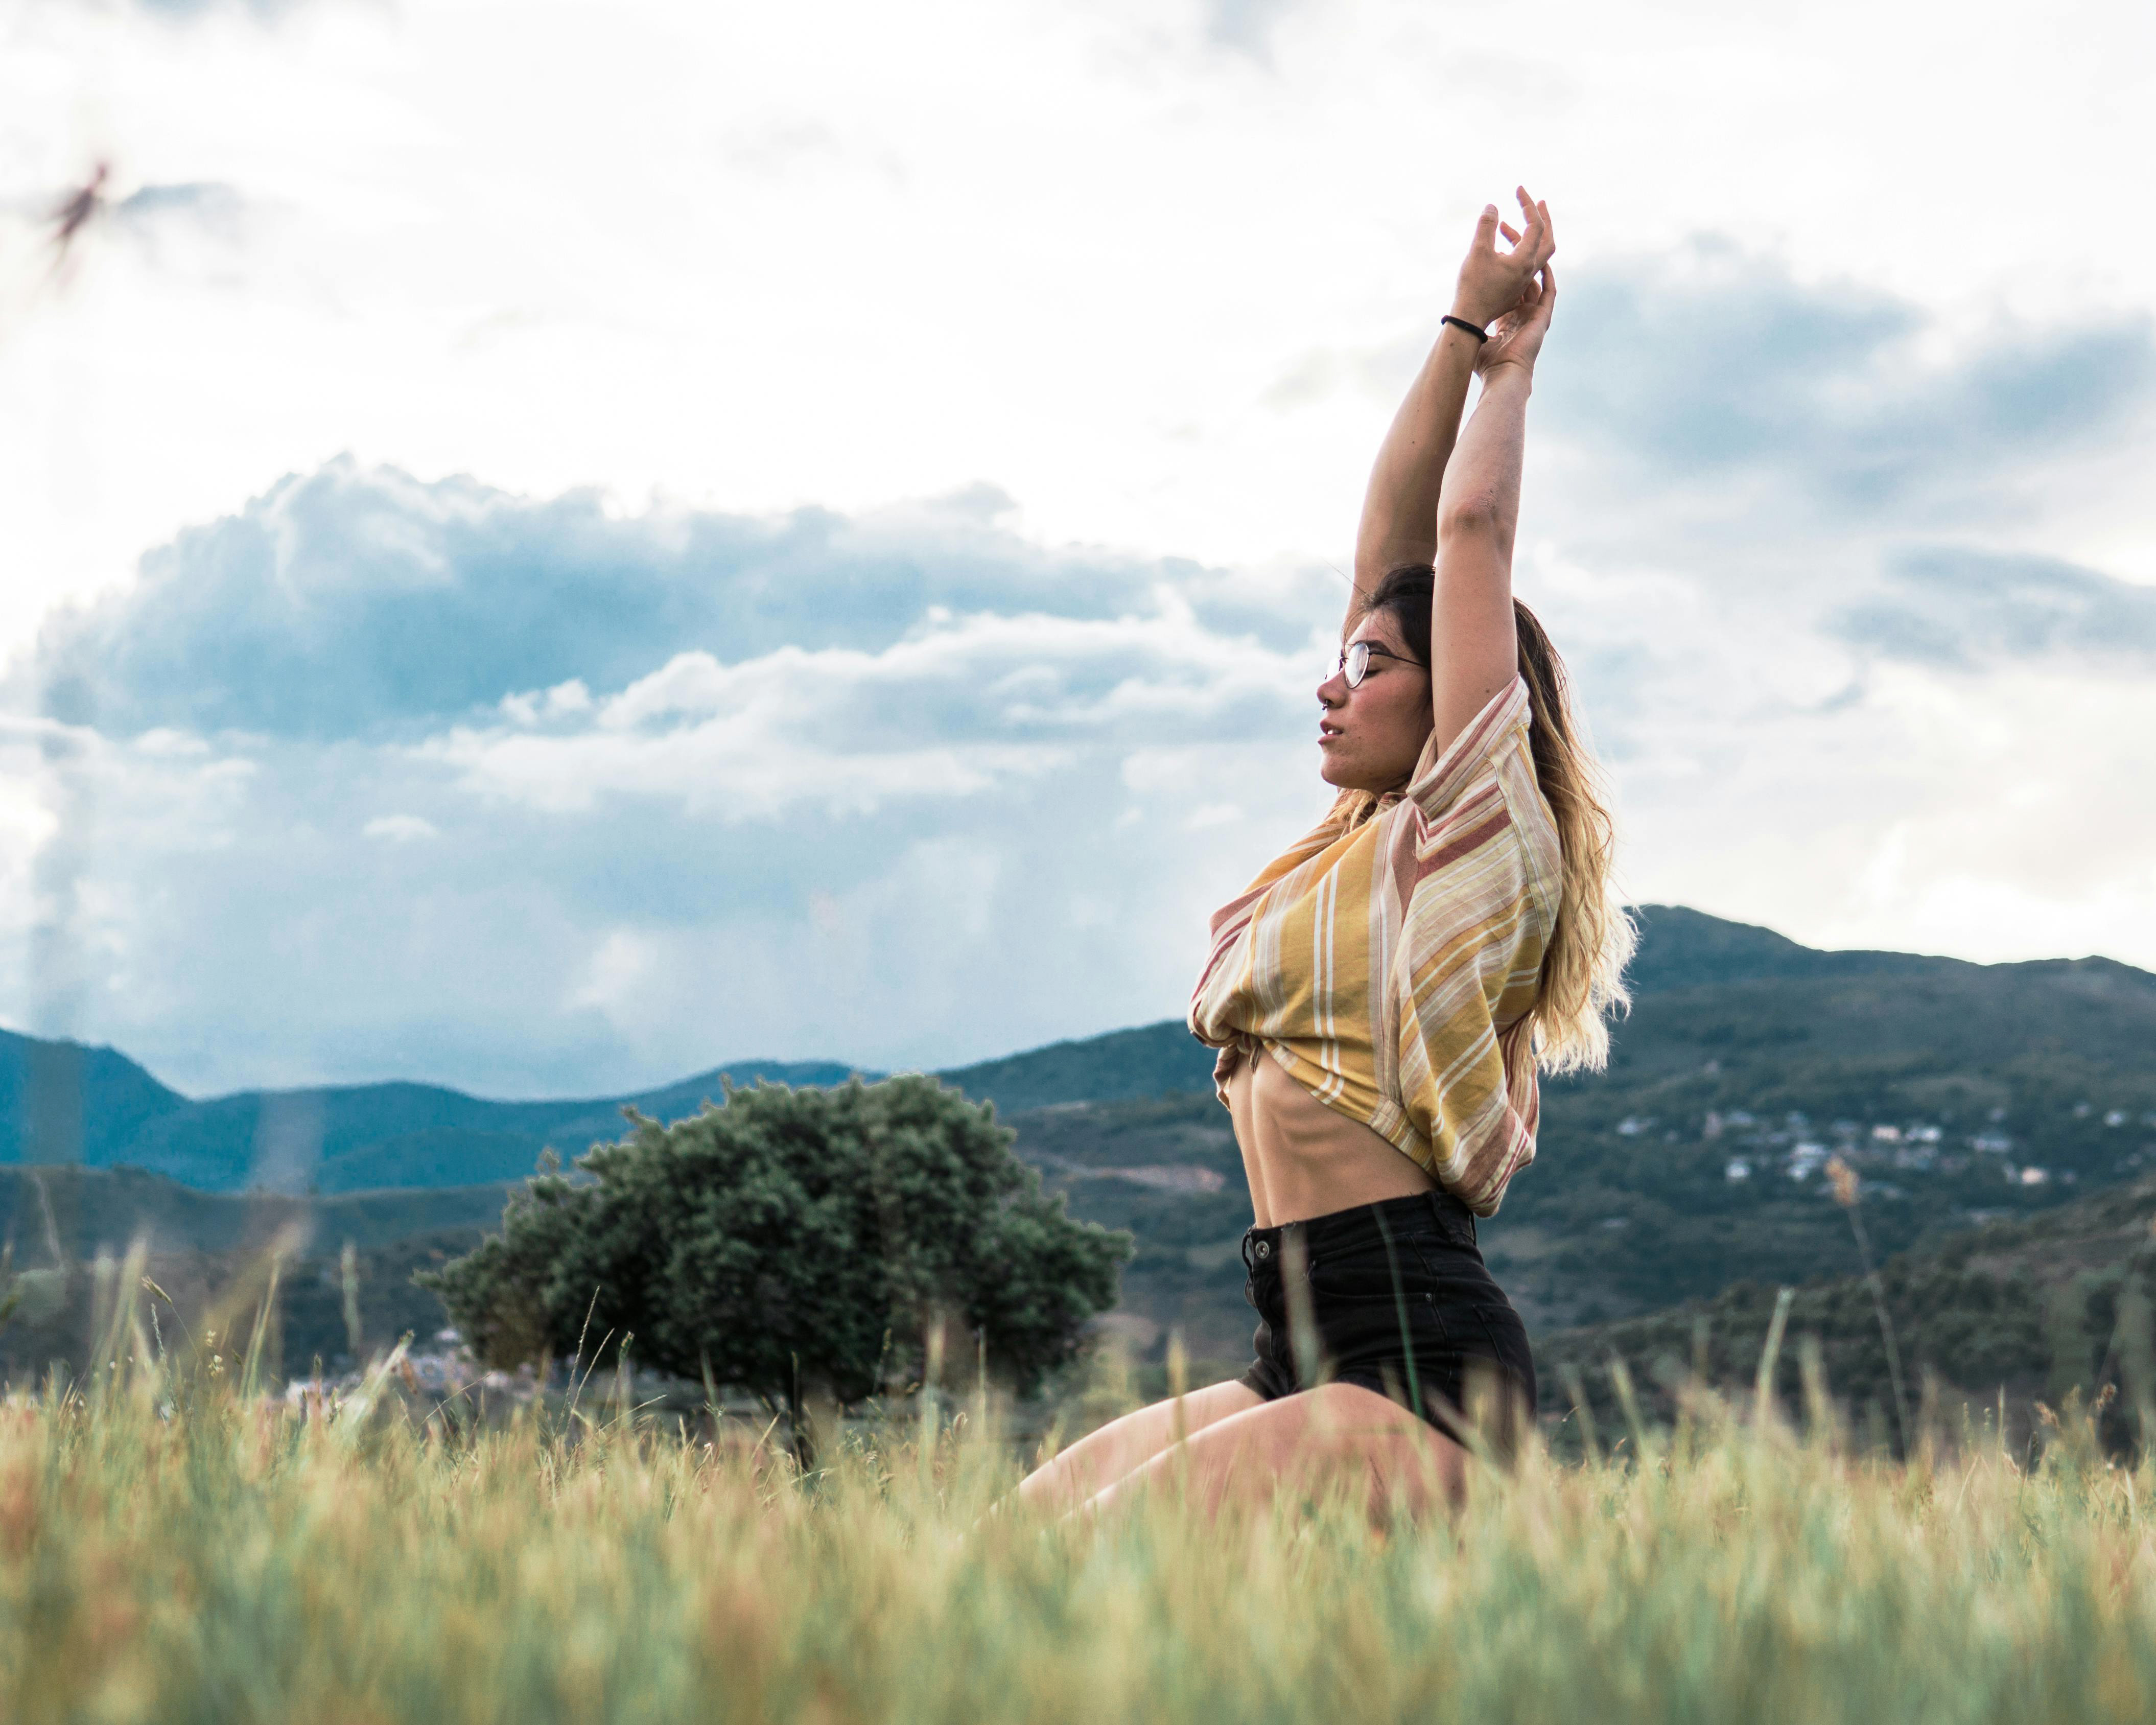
pixel 1387 960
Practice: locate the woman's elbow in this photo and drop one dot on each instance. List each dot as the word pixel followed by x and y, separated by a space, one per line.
pixel 1475 516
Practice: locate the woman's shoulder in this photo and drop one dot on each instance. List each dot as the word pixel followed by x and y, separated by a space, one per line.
pixel 1443 776
pixel 1480 815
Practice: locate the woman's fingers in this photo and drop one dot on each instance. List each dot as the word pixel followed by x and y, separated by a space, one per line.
pixel 1537 239
pixel 1530 244
pixel 1543 235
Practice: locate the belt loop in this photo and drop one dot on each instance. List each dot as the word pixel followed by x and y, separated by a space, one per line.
pixel 1447 1210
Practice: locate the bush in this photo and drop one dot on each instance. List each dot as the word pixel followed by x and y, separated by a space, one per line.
pixel 791 1240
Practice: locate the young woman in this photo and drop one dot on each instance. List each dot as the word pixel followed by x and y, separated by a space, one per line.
pixel 1383 993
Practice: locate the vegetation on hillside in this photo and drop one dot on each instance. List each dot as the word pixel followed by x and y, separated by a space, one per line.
pixel 2012 1313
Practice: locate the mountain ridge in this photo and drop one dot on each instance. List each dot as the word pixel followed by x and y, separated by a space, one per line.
pixel 67 1103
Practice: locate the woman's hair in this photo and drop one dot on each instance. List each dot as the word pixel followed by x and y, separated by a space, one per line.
pixel 1582 975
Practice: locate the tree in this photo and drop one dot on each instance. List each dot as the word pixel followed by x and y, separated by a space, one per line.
pixel 790 1240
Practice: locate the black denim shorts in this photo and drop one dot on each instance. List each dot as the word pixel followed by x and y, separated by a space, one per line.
pixel 1400 1302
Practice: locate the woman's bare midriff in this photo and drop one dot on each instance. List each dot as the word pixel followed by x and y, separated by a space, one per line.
pixel 1304 1159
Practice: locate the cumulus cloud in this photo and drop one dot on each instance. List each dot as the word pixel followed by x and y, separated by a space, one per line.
pixel 1968 609
pixel 378 776
pixel 1713 387
pixel 962 708
pixel 1719 364
pixel 532 794
pixel 357 598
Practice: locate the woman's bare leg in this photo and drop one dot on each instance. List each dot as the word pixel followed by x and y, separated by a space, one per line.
pixel 1103 1457
pixel 1305 1439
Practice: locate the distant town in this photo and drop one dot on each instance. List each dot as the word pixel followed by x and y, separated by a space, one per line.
pixel 1794 1147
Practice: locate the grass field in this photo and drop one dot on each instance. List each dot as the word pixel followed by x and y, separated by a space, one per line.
pixel 173 1549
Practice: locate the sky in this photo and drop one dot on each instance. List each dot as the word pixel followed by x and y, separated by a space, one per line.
pixel 550 546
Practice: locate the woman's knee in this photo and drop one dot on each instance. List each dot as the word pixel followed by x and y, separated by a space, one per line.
pixel 1128 1443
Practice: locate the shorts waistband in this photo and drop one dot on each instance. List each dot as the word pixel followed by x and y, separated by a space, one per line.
pixel 1436 1211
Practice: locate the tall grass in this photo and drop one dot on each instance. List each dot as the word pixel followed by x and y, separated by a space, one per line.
pixel 173 1549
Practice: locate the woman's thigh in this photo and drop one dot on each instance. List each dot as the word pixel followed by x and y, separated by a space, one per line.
pixel 1306 1439
pixel 1102 1456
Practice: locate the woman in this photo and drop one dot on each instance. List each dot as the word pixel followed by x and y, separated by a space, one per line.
pixel 1383 993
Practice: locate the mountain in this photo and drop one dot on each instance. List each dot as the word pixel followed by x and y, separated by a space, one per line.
pixel 1960 1093
pixel 1937 1078
pixel 1123 1065
pixel 61 1102
pixel 333 1138
pixel 57 1096
pixel 1965 1095
pixel 1681 948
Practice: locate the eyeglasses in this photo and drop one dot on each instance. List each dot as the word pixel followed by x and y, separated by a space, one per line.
pixel 1355 661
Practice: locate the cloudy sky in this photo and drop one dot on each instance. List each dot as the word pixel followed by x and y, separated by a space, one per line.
pixel 549 547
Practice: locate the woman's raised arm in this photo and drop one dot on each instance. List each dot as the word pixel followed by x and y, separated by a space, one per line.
pixel 1400 508
pixel 1474 644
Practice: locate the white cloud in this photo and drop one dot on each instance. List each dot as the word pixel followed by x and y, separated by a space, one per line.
pixel 634 330
pixel 400 829
pixel 980 828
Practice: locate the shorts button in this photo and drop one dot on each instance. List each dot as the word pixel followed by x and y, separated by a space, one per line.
pixel 1264 1248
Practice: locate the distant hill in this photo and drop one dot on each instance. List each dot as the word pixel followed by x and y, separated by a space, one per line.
pixel 1961 1092
pixel 1730 1018
pixel 1680 948
pixel 62 1102
pixel 334 1138
pixel 1123 1065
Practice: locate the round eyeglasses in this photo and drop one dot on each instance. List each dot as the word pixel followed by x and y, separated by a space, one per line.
pixel 1355 661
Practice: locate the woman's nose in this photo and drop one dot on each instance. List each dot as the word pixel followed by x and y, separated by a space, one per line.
pixel 1333 689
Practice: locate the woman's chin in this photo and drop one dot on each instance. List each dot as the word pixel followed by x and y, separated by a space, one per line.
pixel 1340 774
pixel 1344 776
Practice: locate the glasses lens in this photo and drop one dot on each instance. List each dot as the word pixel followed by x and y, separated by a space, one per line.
pixel 1355 661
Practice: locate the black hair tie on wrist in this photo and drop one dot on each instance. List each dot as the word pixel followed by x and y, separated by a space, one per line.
pixel 1461 323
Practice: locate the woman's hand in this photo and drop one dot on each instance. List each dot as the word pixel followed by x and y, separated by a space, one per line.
pixel 1517 337
pixel 1494 284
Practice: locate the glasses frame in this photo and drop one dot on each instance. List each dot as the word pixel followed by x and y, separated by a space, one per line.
pixel 1355 661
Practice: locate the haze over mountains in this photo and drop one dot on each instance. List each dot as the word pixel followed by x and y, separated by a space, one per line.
pixel 1769 1016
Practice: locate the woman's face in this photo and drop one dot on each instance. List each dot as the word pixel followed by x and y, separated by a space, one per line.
pixel 1370 736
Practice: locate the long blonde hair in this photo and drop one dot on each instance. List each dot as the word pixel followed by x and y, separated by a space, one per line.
pixel 1581 985
pixel 1582 980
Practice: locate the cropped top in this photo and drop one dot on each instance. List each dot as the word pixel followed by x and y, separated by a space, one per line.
pixel 1389 958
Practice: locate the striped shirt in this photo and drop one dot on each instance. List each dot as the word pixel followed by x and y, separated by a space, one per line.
pixel 1388 958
